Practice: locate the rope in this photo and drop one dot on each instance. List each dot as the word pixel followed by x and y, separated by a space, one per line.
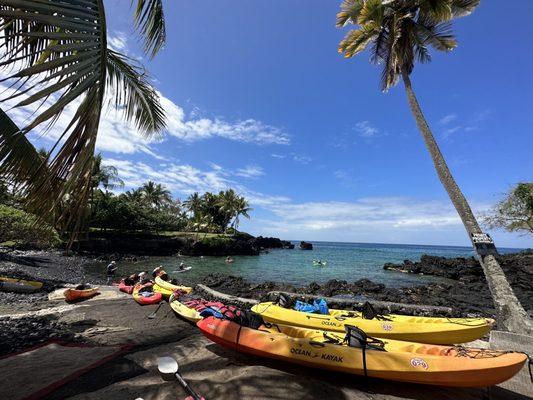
pixel 476 353
pixel 454 321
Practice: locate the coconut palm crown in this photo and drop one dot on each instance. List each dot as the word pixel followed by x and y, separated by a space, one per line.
pixel 400 32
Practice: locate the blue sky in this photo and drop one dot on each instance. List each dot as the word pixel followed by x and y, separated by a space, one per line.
pixel 259 99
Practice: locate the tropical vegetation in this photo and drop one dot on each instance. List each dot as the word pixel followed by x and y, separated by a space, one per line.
pixel 514 212
pixel 19 229
pixel 400 33
pixel 57 62
pixel 151 208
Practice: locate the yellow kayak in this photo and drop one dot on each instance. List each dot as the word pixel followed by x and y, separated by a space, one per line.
pixel 399 327
pixel 183 311
pixel 388 359
pixel 19 285
pixel 167 288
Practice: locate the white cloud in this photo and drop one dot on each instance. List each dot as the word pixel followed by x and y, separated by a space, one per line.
pixel 383 220
pixel 394 212
pixel 450 131
pixel 117 136
pixel 366 130
pixel 118 41
pixel 301 159
pixel 184 179
pixel 248 131
pixel 447 119
pixel 278 156
pixel 250 171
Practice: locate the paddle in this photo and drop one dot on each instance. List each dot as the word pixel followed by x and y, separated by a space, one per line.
pixel 152 315
pixel 168 369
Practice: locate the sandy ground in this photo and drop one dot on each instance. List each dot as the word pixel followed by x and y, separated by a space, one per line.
pixel 216 373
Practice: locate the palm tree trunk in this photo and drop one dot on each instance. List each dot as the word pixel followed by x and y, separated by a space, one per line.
pixel 510 313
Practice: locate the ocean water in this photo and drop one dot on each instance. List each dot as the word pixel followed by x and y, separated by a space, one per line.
pixel 346 261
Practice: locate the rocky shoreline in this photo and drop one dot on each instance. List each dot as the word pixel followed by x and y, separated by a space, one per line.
pixel 142 244
pixel 465 289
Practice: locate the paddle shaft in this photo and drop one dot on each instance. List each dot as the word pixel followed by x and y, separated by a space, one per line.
pixel 156 310
pixel 187 388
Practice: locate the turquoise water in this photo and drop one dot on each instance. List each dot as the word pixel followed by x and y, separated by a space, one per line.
pixel 346 261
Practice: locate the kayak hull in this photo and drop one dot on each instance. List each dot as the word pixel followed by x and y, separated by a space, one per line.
pixel 402 361
pixel 170 287
pixel 183 311
pixel 398 327
pixel 142 300
pixel 19 285
pixel 72 295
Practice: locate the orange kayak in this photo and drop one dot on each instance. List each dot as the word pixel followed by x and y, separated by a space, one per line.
pixel 394 360
pixel 80 294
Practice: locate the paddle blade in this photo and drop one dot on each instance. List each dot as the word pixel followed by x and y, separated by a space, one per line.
pixel 168 367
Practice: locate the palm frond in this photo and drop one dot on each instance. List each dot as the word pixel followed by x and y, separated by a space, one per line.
pixel 150 21
pixel 438 36
pixel 390 71
pixel 55 52
pixel 372 12
pixel 349 13
pixel 14 145
pixel 356 41
pixel 436 10
pixel 462 8
pixel 134 92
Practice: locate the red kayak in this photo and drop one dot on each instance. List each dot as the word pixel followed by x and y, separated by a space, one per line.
pixel 125 288
pixel 144 294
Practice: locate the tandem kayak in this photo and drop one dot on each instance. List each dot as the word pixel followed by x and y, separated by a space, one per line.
pixel 145 295
pixel 391 360
pixel 432 330
pixel 167 288
pixel 19 285
pixel 80 294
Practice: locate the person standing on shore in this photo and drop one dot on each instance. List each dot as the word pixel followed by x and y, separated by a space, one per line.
pixel 111 269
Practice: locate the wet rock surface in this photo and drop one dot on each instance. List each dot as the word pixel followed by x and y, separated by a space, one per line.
pixel 466 290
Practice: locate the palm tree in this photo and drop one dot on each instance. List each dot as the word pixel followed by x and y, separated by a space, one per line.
pixel 155 194
pixel 56 55
pixel 106 175
pixel 227 202
pixel 401 33
pixel 241 208
pixel 135 195
pixel 193 204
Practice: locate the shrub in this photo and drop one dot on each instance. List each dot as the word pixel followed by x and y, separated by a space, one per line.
pixel 20 227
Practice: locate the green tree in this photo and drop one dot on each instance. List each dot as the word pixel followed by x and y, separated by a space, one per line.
pixel 242 208
pixel 19 227
pixel 193 204
pixel 228 202
pixel 400 33
pixel 56 53
pixel 514 212
pixel 105 175
pixel 155 194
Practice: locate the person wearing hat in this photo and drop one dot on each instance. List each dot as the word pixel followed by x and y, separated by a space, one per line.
pixel 111 269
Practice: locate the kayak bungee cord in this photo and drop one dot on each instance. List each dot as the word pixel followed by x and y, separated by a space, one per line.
pixel 467 321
